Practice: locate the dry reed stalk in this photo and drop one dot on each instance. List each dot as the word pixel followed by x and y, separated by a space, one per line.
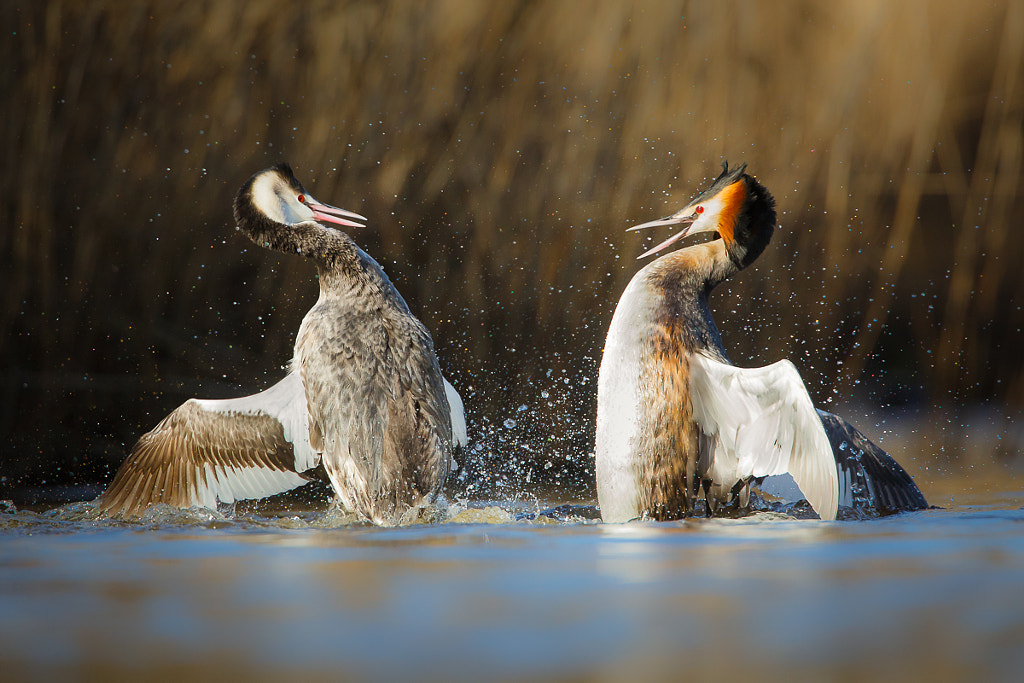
pixel 501 150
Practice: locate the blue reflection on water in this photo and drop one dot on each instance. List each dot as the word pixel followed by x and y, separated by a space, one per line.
pixel 907 593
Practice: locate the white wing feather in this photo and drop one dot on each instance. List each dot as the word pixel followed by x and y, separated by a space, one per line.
pixel 460 437
pixel 762 422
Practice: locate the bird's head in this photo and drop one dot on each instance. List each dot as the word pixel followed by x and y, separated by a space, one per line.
pixel 736 206
pixel 277 194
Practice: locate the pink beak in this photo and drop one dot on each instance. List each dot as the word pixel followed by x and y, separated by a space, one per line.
pixel 677 219
pixel 332 214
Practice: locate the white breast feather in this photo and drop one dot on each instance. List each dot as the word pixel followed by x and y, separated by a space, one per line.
pixel 618 403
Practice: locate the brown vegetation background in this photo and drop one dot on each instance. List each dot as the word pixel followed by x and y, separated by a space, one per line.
pixel 500 150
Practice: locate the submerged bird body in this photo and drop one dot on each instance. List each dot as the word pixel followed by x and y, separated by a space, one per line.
pixel 365 397
pixel 675 419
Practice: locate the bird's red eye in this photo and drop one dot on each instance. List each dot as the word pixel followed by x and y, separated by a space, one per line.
pixel 699 209
pixel 302 198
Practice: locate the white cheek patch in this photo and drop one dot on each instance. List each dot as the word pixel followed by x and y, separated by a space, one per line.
pixel 267 200
pixel 708 221
pixel 271 199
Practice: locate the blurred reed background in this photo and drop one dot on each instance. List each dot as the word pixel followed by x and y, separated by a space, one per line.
pixel 500 150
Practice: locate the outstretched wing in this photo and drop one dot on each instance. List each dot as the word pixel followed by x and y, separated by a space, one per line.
pixel 218 450
pixel 868 476
pixel 761 422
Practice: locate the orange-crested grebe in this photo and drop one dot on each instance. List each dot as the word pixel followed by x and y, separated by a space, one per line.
pixel 675 418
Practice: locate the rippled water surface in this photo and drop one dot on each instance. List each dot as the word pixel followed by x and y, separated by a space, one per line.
pixel 937 593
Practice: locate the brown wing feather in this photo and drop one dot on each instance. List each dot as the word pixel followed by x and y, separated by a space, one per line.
pixel 195 456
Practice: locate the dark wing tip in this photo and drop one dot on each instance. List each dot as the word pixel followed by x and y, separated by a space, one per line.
pixel 877 481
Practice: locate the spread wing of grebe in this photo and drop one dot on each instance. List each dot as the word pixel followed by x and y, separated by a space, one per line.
pixel 760 422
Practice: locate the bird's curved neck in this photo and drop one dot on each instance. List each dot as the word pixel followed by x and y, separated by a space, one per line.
pixel 309 238
pixel 357 277
pixel 682 281
pixel 699 268
pixel 341 265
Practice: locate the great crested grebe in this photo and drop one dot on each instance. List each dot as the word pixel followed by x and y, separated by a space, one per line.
pixel 675 418
pixel 365 397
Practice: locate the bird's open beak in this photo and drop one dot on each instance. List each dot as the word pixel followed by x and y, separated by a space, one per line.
pixel 683 217
pixel 332 214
